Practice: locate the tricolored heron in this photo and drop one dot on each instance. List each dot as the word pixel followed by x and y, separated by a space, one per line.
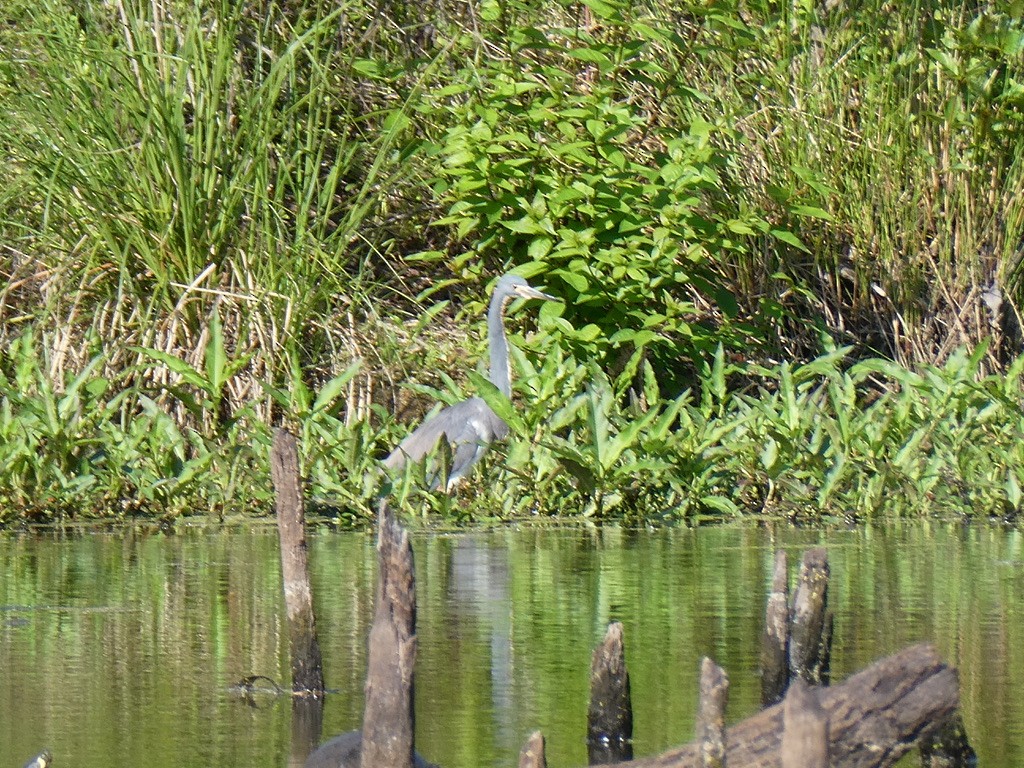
pixel 471 426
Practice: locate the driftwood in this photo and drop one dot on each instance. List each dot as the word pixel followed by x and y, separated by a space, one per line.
pixel 875 717
pixel 775 642
pixel 714 695
pixel 610 714
pixel 307 667
pixel 532 755
pixel 804 728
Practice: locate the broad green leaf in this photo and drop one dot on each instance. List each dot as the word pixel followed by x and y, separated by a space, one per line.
pixel 330 391
pixel 811 211
pixel 500 404
pixel 789 238
pixel 175 365
pixel 215 357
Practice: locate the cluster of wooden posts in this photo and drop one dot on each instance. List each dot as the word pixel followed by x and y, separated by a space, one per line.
pixel 905 701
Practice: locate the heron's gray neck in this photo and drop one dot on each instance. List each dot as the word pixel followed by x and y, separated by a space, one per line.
pixel 501 376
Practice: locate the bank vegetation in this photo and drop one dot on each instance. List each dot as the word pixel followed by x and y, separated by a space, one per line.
pixel 787 237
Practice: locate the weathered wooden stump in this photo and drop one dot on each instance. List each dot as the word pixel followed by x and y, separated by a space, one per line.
pixel 804 729
pixel 714 696
pixel 307 666
pixel 875 717
pixel 532 754
pixel 810 624
pixel 386 739
pixel 610 714
pixel 389 716
pixel 775 641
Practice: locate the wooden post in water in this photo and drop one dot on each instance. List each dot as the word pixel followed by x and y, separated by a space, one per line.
pixel 775 641
pixel 804 728
pixel 810 629
pixel 610 714
pixel 714 695
pixel 388 716
pixel 532 754
pixel 307 666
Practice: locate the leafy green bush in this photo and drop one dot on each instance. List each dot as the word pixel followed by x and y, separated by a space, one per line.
pixel 557 160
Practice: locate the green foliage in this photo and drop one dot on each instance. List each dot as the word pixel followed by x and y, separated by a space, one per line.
pixel 50 444
pixel 208 205
pixel 982 59
pixel 202 390
pixel 821 439
pixel 557 160
pixel 88 447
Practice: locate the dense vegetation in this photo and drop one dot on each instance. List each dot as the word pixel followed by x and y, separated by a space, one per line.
pixel 217 217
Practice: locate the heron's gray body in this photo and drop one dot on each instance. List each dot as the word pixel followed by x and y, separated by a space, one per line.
pixel 471 425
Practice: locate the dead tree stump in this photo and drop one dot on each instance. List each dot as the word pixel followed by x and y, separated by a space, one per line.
pixel 610 714
pixel 875 717
pixel 386 739
pixel 805 728
pixel 307 666
pixel 388 718
pixel 532 754
pixel 775 641
pixel 810 627
pixel 714 695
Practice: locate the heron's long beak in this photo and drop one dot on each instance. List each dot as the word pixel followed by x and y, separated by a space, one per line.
pixel 527 292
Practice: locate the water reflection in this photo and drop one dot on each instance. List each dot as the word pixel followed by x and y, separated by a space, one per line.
pixel 120 649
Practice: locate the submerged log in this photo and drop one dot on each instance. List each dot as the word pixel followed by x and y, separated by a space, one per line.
pixel 345 751
pixel 875 717
pixel 532 754
pixel 307 666
pixel 804 728
pixel 610 714
pixel 810 627
pixel 775 641
pixel 714 695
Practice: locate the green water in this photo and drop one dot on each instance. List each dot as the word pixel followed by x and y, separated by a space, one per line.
pixel 119 650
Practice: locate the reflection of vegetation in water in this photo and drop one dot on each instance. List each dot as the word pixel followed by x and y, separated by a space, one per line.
pixel 151 631
pixel 209 212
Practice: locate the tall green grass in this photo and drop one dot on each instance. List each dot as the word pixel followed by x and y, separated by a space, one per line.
pixel 906 124
pixel 175 163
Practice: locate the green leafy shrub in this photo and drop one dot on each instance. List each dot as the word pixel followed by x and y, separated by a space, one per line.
pixel 557 160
